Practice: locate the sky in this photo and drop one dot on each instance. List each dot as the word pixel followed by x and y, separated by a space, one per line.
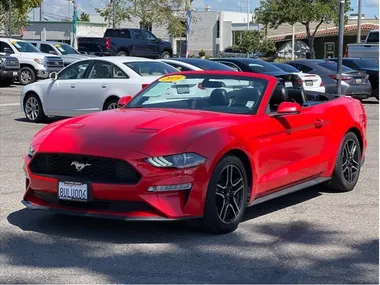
pixel 59 9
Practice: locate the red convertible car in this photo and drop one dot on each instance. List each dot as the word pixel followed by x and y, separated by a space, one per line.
pixel 204 145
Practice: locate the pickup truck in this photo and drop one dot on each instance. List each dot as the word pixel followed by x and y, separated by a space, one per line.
pixel 369 49
pixel 126 42
pixel 9 70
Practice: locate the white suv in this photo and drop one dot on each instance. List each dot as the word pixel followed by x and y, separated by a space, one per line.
pixel 34 64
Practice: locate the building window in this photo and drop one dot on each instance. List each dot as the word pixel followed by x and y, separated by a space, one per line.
pixel 218 29
pixel 236 37
pixel 148 26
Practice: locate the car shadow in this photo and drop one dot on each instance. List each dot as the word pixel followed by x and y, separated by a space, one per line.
pixel 49 120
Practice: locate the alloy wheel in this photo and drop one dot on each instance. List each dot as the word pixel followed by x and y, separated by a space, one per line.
pixel 26 76
pixel 32 108
pixel 229 194
pixel 113 106
pixel 350 161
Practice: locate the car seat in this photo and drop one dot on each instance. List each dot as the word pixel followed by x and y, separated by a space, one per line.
pixel 279 95
pixel 246 98
pixel 218 97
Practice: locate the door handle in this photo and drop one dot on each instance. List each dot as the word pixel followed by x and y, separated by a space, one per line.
pixel 319 123
pixel 73 85
pixel 104 85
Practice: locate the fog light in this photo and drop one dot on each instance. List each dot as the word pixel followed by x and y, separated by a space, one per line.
pixel 175 187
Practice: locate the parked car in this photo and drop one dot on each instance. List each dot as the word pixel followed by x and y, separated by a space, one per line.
pixel 193 64
pixel 367 50
pixel 9 69
pixel 233 52
pixel 359 85
pixel 65 51
pixel 312 82
pixel 89 85
pixel 369 66
pixel 288 79
pixel 34 64
pixel 202 64
pixel 126 42
pixel 170 158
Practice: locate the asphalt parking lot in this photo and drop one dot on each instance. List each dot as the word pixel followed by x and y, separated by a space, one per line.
pixel 314 236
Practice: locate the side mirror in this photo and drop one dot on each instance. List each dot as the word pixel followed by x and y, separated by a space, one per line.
pixel 52 52
pixel 53 75
pixel 8 50
pixel 124 100
pixel 289 108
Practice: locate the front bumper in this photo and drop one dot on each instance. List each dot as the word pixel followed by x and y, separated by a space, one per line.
pixel 126 202
pixel 9 73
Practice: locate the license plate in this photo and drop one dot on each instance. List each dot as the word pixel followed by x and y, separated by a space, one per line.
pixel 309 83
pixel 15 73
pixel 73 191
pixel 288 84
pixel 183 90
pixel 358 80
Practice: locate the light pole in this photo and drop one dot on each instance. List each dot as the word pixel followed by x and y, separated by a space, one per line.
pixel 340 49
pixel 358 39
pixel 10 18
pixel 75 21
pixel 113 13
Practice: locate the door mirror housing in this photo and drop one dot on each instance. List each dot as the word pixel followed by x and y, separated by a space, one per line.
pixel 289 108
pixel 53 75
pixel 124 100
pixel 8 50
pixel 53 52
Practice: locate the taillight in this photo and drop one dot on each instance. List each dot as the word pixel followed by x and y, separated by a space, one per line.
pixel 320 85
pixel 299 81
pixel 108 43
pixel 346 52
pixel 344 78
pixel 144 86
pixel 200 86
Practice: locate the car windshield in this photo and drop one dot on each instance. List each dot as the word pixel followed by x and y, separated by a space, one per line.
pixel 286 67
pixel 24 46
pixel 333 66
pixel 150 68
pixel 65 49
pixel 262 66
pixel 207 64
pixel 363 63
pixel 208 92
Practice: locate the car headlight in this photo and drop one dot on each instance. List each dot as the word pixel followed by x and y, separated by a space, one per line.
pixel 38 60
pixel 31 151
pixel 183 160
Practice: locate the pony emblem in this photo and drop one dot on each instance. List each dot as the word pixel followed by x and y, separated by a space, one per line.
pixel 79 166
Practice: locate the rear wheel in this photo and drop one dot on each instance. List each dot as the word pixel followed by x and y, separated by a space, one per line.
pixel 122 53
pixel 165 54
pixel 111 104
pixel 226 198
pixel 347 164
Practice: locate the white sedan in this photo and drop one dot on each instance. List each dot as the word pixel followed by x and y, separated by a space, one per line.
pixel 89 85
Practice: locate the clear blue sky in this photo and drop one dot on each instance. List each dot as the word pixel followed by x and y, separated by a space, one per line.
pixel 59 9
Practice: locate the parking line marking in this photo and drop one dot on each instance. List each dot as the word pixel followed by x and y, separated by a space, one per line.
pixel 9 104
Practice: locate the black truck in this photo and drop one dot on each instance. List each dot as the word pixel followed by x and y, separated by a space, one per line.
pixel 9 70
pixel 126 42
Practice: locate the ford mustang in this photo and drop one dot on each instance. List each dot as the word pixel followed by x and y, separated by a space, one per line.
pixel 199 144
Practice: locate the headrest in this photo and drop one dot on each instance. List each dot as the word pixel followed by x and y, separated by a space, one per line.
pixel 246 95
pixel 296 94
pixel 279 95
pixel 219 97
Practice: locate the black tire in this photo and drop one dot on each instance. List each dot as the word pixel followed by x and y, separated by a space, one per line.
pixel 348 158
pixel 111 103
pixel 166 54
pixel 6 82
pixel 122 53
pixel 26 76
pixel 33 102
pixel 213 220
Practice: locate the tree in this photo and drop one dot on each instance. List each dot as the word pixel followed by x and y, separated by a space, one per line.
pixel 273 13
pixel 255 42
pixel 84 17
pixel 20 10
pixel 148 12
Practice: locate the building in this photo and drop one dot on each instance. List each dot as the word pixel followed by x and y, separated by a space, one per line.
pixel 211 31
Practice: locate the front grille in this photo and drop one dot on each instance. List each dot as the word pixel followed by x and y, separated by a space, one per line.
pixel 12 63
pixel 97 169
pixel 100 205
pixel 54 62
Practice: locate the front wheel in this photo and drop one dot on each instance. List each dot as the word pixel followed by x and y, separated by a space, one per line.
pixel 165 54
pixel 33 109
pixel 347 164
pixel 27 75
pixel 226 198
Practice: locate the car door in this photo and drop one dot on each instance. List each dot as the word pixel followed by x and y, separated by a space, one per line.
pixel 141 45
pixel 48 49
pixel 291 147
pixel 60 98
pixel 152 43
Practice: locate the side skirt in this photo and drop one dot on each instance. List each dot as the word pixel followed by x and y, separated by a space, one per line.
pixel 289 190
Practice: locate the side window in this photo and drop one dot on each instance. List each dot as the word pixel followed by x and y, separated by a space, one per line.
pixel 138 35
pixel 75 71
pixel 373 37
pixel 304 68
pixel 5 45
pixel 232 65
pixel 100 69
pixel 149 36
pixel 35 44
pixel 179 67
pixel 118 73
pixel 47 49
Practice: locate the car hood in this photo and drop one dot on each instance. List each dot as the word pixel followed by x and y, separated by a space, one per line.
pixel 36 55
pixel 148 131
pixel 74 57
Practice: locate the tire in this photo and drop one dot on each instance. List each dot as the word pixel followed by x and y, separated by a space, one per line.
pixel 166 54
pixel 27 75
pixel 348 158
pixel 219 217
pixel 6 82
pixel 111 104
pixel 122 53
pixel 33 109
